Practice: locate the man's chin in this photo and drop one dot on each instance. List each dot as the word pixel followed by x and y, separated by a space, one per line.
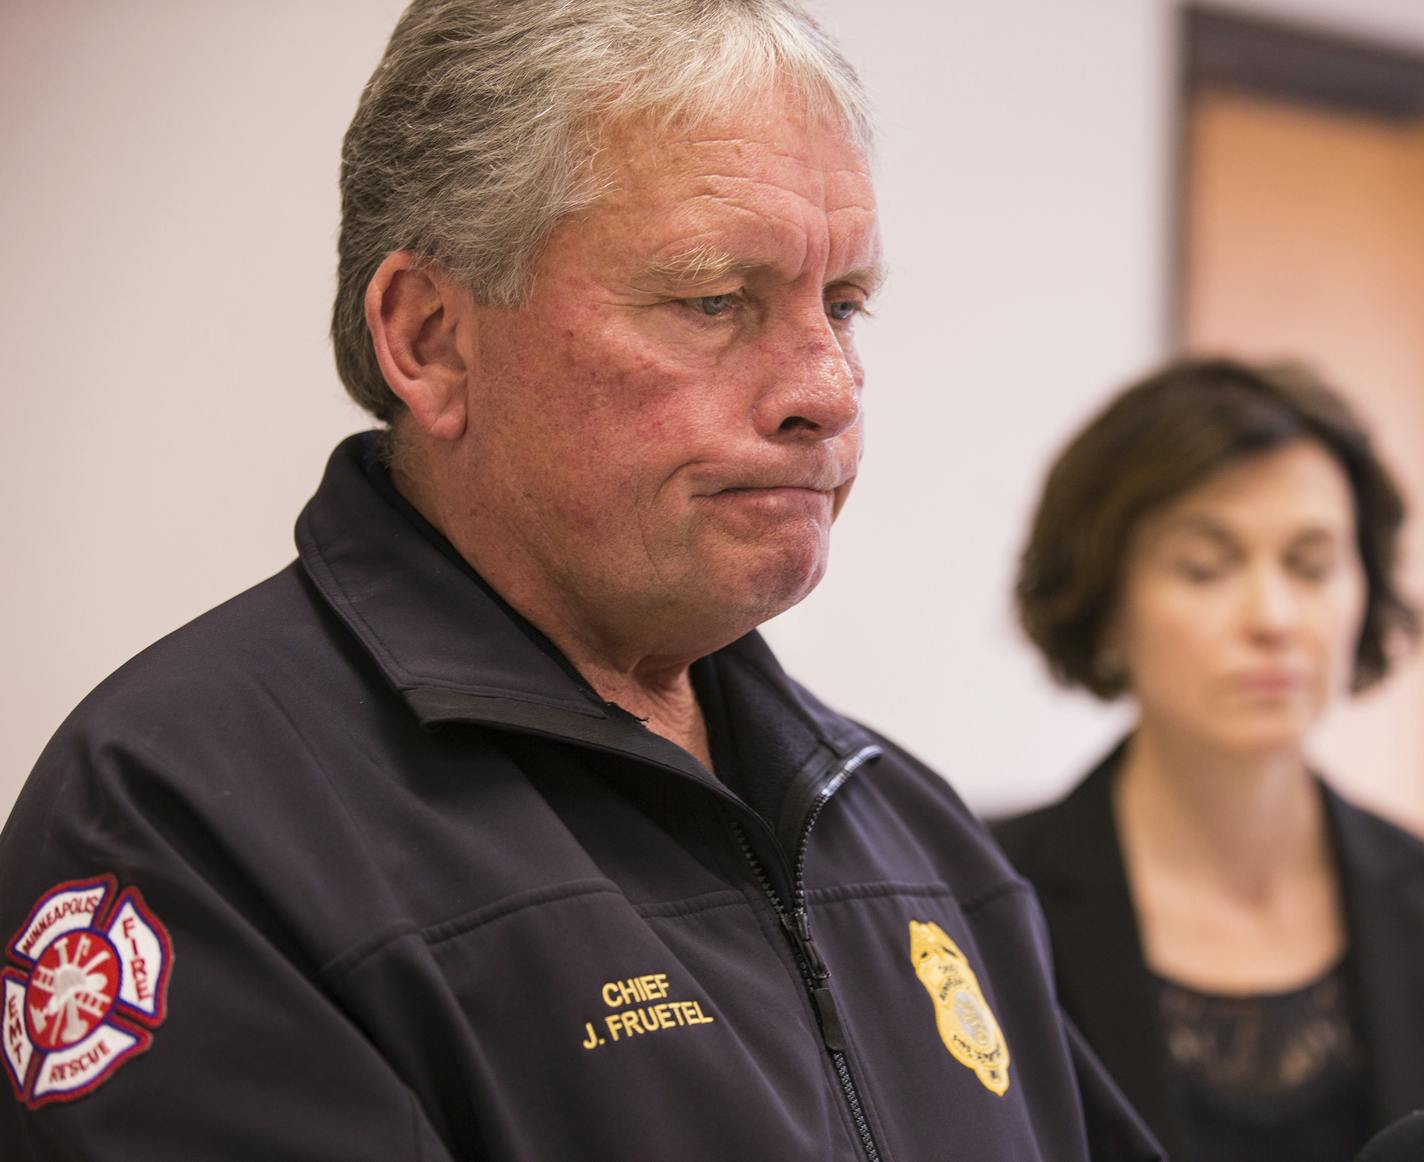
pixel 775 582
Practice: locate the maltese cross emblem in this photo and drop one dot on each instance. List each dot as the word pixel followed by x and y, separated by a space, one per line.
pixel 88 982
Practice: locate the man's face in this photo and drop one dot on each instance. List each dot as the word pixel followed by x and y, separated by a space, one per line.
pixel 661 437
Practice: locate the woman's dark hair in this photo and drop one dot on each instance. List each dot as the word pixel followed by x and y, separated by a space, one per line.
pixel 1153 442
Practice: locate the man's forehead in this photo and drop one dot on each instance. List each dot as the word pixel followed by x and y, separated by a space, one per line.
pixel 775 127
pixel 710 199
pixel 829 168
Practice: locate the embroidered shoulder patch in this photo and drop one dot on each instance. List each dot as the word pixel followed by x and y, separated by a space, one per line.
pixel 966 1023
pixel 88 980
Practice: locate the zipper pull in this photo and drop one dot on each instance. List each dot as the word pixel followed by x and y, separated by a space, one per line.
pixel 821 997
pixel 831 1032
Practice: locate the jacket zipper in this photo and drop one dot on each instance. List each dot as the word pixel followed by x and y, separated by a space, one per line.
pixel 815 975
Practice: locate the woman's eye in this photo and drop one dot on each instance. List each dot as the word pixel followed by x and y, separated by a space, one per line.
pixel 1312 569
pixel 1199 572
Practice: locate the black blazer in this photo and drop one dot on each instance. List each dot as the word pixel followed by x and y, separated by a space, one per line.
pixel 1070 853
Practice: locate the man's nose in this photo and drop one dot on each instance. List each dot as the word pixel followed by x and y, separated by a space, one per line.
pixel 812 385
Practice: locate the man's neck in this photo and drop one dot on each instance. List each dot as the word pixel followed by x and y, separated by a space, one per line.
pixel 654 685
pixel 666 702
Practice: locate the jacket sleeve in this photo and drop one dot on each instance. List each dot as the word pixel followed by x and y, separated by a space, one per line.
pixel 157 1006
pixel 1115 1132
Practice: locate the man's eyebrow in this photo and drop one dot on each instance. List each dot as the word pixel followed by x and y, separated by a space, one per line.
pixel 869 278
pixel 709 264
pixel 702 264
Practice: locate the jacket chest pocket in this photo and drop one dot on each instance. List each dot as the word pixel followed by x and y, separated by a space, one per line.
pixel 583 1027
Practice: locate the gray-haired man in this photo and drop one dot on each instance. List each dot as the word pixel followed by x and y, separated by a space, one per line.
pixel 490 829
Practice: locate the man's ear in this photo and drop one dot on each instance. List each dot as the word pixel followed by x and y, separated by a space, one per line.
pixel 422 324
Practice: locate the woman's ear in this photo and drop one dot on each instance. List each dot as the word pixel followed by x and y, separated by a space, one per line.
pixel 423 325
pixel 1109 662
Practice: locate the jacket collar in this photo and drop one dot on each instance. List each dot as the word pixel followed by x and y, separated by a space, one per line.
pixel 456 651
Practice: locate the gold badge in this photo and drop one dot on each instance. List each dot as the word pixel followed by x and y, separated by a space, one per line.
pixel 966 1024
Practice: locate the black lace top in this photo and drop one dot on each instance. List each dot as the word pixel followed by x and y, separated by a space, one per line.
pixel 1266 1077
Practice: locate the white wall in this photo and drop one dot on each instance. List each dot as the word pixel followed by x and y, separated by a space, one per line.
pixel 168 219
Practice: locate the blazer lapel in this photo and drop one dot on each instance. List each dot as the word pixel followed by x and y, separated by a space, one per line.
pixel 1382 880
pixel 1102 977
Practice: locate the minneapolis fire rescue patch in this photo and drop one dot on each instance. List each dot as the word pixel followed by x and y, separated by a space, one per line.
pixel 92 981
pixel 966 1023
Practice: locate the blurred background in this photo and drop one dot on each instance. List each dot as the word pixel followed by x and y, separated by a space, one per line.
pixel 1070 191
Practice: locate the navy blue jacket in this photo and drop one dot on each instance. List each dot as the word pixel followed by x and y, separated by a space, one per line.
pixel 358 867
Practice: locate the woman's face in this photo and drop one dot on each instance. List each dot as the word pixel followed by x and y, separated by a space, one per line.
pixel 1242 602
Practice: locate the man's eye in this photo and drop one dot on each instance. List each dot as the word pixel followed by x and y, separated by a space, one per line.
pixel 714 305
pixel 843 309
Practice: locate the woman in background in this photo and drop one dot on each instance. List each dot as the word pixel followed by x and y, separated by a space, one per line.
pixel 1243 948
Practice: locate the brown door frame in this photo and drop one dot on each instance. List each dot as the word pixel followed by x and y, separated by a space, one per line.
pixel 1223 50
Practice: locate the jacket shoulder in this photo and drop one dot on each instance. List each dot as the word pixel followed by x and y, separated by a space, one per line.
pixel 219 712
pixel 1370 844
pixel 1022 835
pixel 204 678
pixel 1069 839
pixel 928 805
pixel 1057 841
pixel 921 775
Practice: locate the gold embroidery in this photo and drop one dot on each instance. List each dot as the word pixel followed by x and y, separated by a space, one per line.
pixel 627 1022
pixel 966 1024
